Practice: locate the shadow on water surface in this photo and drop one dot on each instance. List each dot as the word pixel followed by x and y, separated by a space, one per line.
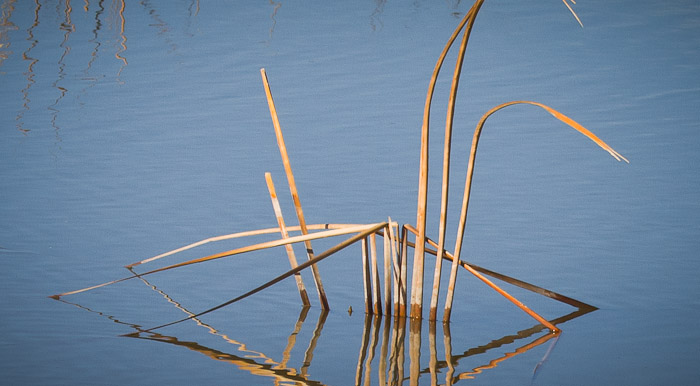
pixel 384 343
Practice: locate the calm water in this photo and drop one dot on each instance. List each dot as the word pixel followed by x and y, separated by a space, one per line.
pixel 131 128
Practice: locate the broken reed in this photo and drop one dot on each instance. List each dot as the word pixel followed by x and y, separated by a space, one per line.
pixel 293 189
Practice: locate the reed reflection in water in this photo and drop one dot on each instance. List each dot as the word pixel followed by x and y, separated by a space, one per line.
pixel 86 34
pixel 383 345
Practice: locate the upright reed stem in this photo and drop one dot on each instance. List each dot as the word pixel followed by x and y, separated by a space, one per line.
pixel 446 165
pixel 285 235
pixel 293 189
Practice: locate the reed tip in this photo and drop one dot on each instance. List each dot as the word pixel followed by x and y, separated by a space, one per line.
pixel 55 297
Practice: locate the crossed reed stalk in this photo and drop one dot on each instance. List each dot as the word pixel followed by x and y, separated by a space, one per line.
pixel 395 247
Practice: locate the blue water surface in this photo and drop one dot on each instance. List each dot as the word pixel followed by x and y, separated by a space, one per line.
pixel 128 129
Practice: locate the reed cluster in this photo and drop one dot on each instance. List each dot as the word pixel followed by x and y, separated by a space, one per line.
pixel 388 293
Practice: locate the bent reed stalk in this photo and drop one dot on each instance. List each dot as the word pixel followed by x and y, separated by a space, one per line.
pixel 419 253
pixel 293 188
pixel 394 248
pixel 299 268
pixel 285 235
pixel 470 172
pixel 237 251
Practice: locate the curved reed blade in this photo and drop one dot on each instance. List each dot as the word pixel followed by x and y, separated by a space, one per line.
pixel 446 167
pixel 255 232
pixel 285 275
pixel 419 252
pixel 572 11
pixel 493 286
pixel 237 251
pixel 470 172
pixel 505 278
pixel 556 114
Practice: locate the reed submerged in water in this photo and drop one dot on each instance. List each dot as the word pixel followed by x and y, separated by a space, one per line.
pixel 395 247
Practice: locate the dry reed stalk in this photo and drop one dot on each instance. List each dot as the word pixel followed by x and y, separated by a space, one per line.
pixel 403 284
pixel 503 293
pixel 366 281
pixel 293 189
pixel 396 265
pixel 572 11
pixel 446 165
pixel 241 347
pixel 432 348
pixel 470 172
pixel 511 280
pixel 285 235
pixel 299 268
pixel 387 269
pixel 418 259
pixel 255 232
pixel 237 251
pixel 376 293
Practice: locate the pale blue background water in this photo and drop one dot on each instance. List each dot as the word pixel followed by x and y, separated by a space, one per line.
pixel 116 146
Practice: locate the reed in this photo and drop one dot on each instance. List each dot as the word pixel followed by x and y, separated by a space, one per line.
pixel 255 232
pixel 572 11
pixel 237 251
pixel 285 235
pixel 505 278
pixel 496 288
pixel 395 268
pixel 293 189
pixel 470 172
pixel 388 241
pixel 376 287
pixel 395 249
pixel 299 268
pixel 403 284
pixel 419 255
pixel 366 277
pixel 446 165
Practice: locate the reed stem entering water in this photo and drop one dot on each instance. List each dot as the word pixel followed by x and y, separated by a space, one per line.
pixel 293 189
pixel 283 231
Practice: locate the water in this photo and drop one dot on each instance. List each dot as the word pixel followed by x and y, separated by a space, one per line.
pixel 132 128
